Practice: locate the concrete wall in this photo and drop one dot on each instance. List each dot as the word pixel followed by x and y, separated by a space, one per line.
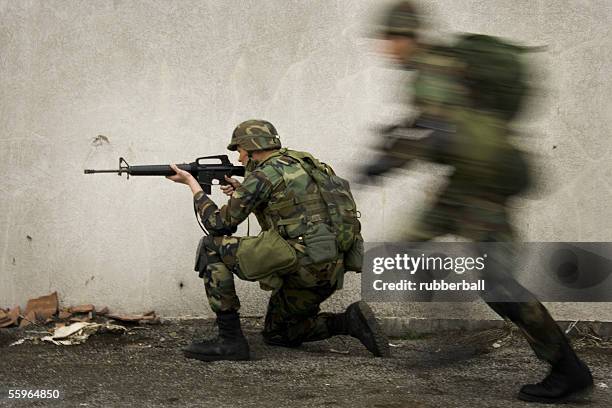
pixel 167 81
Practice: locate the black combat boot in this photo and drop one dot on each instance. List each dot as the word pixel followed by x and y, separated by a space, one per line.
pixel 358 321
pixel 230 344
pixel 569 379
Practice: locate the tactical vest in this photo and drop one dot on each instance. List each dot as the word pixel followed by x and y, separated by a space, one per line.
pixel 312 195
pixel 296 203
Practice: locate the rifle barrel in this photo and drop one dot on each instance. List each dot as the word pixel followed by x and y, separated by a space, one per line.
pixel 90 171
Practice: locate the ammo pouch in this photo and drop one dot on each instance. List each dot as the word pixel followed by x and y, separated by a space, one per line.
pixel 321 245
pixel 265 255
pixel 353 258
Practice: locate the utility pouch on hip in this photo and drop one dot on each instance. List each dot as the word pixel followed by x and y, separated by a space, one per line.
pixel 321 245
pixel 353 258
pixel 266 254
pixel 201 259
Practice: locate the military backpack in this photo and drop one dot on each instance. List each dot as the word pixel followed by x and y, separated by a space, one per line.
pixel 344 217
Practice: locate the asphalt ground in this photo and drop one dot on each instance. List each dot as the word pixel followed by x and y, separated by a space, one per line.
pixel 145 368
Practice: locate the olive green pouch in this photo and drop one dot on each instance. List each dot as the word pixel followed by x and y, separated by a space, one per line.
pixel 321 244
pixel 265 254
pixel 353 258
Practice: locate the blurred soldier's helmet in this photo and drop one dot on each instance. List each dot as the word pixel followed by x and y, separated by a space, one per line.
pixel 255 135
pixel 400 19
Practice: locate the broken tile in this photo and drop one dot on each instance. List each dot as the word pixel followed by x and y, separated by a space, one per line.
pixel 64 315
pixel 82 309
pixel 13 315
pixel 4 317
pixel 28 319
pixel 15 312
pixel 44 306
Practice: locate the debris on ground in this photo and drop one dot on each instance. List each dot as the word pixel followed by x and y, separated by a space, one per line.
pixel 40 309
pixel 82 309
pixel 586 336
pixel 78 333
pixel 582 334
pixel 9 317
pixel 147 369
pixel 18 342
pixel 146 318
pixel 64 314
pixel 85 318
pixel 67 325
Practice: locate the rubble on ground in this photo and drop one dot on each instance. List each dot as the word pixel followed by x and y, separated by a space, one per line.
pixel 78 333
pixel 68 325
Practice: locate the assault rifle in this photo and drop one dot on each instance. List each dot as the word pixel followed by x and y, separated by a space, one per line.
pixel 204 172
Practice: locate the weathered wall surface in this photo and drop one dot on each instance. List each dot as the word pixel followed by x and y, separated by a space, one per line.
pixel 167 81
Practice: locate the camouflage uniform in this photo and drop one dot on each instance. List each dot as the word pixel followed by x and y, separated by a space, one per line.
pixel 293 311
pixel 467 94
pixel 487 171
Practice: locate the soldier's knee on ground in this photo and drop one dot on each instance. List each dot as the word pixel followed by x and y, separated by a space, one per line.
pixel 286 329
pixel 280 339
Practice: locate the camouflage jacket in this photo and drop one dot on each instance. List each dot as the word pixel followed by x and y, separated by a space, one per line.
pixel 278 191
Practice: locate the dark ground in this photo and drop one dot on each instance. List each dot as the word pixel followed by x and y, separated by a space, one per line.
pixel 145 368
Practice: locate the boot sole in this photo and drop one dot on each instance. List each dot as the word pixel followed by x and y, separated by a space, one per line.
pixel 381 343
pixel 575 396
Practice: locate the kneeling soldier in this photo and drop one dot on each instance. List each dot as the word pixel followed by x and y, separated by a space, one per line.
pixel 301 254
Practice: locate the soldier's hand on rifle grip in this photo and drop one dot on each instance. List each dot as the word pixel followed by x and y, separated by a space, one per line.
pixel 229 189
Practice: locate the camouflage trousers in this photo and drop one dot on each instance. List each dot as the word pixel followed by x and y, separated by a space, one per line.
pixel 293 313
pixel 487 226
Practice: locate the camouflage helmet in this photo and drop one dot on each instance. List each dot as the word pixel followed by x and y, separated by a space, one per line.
pixel 254 135
pixel 400 19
